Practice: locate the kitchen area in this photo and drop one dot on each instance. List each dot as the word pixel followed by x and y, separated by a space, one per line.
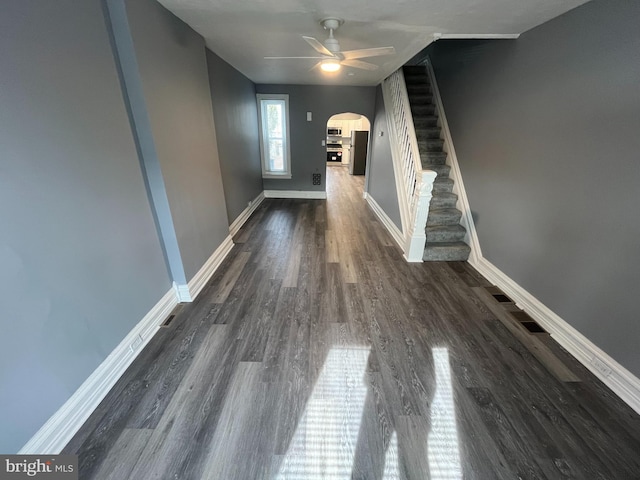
pixel 347 142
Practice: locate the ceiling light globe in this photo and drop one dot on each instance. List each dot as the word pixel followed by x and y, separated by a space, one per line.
pixel 330 66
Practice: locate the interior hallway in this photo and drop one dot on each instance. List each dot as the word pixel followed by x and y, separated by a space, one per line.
pixel 317 352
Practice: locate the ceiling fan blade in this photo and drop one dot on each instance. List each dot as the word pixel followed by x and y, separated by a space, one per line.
pixel 286 58
pixel 359 64
pixel 368 52
pixel 318 47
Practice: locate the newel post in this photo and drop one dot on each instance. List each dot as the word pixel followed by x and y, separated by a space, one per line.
pixel 414 249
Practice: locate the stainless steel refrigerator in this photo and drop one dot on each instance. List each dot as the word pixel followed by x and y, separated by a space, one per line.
pixel 358 161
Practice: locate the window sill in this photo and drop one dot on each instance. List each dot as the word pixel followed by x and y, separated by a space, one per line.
pixel 285 176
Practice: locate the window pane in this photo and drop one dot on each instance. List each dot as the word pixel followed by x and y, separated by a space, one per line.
pixel 274 135
pixel 274 119
pixel 276 157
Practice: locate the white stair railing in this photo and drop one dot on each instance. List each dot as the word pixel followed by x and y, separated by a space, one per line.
pixel 414 185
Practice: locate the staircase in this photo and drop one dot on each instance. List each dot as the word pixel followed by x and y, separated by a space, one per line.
pixel 444 232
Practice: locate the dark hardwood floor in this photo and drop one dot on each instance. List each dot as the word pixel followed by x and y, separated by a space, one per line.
pixel 317 352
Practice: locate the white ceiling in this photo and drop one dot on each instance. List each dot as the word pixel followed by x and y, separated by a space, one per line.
pixel 242 32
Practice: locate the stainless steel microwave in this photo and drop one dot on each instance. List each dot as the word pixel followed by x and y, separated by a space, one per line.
pixel 334 131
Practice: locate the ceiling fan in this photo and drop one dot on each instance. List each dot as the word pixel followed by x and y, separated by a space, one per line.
pixel 332 57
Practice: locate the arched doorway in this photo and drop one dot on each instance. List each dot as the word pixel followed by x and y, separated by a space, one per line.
pixel 348 143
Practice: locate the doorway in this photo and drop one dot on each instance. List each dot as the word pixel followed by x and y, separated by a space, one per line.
pixel 347 144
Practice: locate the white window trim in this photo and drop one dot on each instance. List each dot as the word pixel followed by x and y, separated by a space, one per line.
pixel 263 160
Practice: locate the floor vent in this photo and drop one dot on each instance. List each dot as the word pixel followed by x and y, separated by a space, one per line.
pixel 526 330
pixel 172 315
pixel 527 322
pixel 533 327
pixel 501 298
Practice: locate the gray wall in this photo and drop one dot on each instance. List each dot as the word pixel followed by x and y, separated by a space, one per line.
pixel 173 70
pixel 382 186
pixel 236 116
pixel 308 156
pixel 546 133
pixel 80 261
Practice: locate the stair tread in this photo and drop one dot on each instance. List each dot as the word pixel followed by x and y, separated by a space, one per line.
pixel 421 98
pixel 437 167
pixel 445 233
pixel 444 210
pixel 428 131
pixel 456 227
pixel 443 216
pixel 443 179
pixel 448 245
pixel 443 200
pixel 445 195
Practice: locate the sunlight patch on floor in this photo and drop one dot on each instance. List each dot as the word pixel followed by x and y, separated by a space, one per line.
pixel 324 444
pixel 443 448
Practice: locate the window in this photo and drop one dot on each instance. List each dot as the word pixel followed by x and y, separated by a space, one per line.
pixel 274 135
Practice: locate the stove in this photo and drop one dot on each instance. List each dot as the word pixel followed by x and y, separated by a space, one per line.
pixel 334 152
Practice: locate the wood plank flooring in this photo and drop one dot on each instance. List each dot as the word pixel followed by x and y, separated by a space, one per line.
pixel 317 352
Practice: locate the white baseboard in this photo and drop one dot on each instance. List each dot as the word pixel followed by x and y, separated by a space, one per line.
pixel 622 382
pixel 246 213
pixel 199 280
pixel 391 227
pixel 65 423
pixel 182 293
pixel 304 194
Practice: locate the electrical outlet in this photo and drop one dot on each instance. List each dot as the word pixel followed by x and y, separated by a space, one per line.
pixel 600 366
pixel 136 343
pixel 316 178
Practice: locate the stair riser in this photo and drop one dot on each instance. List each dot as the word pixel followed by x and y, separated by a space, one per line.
pixel 425 121
pixel 442 187
pixel 420 109
pixel 414 81
pixel 445 255
pixel 431 145
pixel 441 170
pixel 444 236
pixel 435 158
pixel 410 75
pixel 427 133
pixel 443 202
pixel 420 99
pixel 419 89
pixel 437 218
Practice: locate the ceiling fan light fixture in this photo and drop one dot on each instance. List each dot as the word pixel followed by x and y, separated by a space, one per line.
pixel 330 65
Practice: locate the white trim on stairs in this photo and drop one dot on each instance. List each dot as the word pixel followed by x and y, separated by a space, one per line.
pixel 471 237
pixel 479 36
pixel 391 227
pixel 246 213
pixel 302 194
pixel 622 382
pixel 63 425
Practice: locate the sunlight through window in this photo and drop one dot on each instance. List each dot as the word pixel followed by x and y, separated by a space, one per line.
pixel 443 448
pixel 391 467
pixel 324 444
